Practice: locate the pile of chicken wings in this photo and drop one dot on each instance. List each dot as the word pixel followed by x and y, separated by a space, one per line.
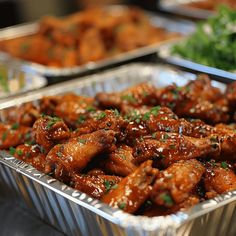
pixel 146 150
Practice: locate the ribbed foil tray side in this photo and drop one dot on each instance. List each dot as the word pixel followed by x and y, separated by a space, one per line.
pixel 76 213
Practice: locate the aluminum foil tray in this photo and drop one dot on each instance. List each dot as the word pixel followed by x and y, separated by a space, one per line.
pixel 164 53
pixel 76 213
pixel 15 80
pixel 172 25
pixel 177 7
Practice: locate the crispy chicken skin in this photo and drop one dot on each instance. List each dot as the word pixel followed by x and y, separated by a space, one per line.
pixel 76 153
pixel 142 94
pixel 133 190
pixel 94 185
pixel 69 107
pixel 32 154
pixel 171 147
pixel 218 179
pixel 175 184
pixel 25 114
pixel 13 135
pixel 119 162
pixel 49 131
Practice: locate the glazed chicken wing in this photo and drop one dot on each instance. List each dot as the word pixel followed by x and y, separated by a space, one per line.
pixel 49 131
pixel 218 179
pixel 76 153
pixel 25 114
pixel 13 135
pixel 95 186
pixel 142 94
pixel 32 154
pixel 120 161
pixel 168 148
pixel 133 190
pixel 175 184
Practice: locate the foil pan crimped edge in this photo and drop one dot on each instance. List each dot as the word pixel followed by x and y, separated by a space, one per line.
pixel 167 225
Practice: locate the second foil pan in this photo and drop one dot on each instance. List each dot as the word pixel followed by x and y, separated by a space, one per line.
pixel 172 25
pixel 74 212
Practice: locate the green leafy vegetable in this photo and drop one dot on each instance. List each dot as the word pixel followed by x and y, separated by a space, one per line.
pixel 213 43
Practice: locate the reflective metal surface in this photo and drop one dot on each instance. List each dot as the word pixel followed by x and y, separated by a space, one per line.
pixel 177 7
pixel 172 25
pixel 76 213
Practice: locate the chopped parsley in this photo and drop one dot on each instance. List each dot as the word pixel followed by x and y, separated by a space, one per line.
pixel 224 165
pixel 81 119
pixel 153 111
pixel 12 151
pixel 128 98
pixel 19 152
pixel 116 112
pixel 172 146
pixel 122 205
pixel 82 141
pixel 59 154
pixel 122 156
pixel 214 139
pixel 107 185
pixel 52 121
pixel 4 136
pixel 101 115
pixel 90 109
pixel 15 126
pixel 115 186
pixel 167 199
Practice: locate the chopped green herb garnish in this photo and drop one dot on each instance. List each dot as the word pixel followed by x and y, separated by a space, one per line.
pixel 145 93
pixel 15 126
pixel 52 121
pixel 19 152
pixel 154 135
pixel 82 141
pixel 81 119
pixel 122 156
pixel 59 154
pixel 12 151
pixel 90 109
pixel 116 112
pixel 128 98
pixel 122 205
pixel 146 116
pixel 224 165
pixel 107 185
pixel 4 136
pixel 101 115
pixel 167 199
pixel 172 146
pixel 213 139
pixel 115 186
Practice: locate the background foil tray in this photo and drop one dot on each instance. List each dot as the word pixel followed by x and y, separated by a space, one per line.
pixel 164 53
pixel 76 213
pixel 177 7
pixel 172 25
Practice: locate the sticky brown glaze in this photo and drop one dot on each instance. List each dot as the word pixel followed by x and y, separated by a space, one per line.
pixel 94 185
pixel 155 210
pixel 31 154
pixel 174 185
pixel 69 107
pixel 170 147
pixel 49 131
pixel 218 179
pixel 76 153
pixel 230 95
pixel 108 120
pixel 12 135
pixel 25 114
pixel 141 94
pixel 120 161
pixel 133 190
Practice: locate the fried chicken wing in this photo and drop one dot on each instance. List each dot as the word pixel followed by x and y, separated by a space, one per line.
pixel 168 148
pixel 49 131
pixel 95 186
pixel 76 153
pixel 218 179
pixel 133 190
pixel 13 135
pixel 25 114
pixel 120 161
pixel 32 154
pixel 142 94
pixel 175 184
